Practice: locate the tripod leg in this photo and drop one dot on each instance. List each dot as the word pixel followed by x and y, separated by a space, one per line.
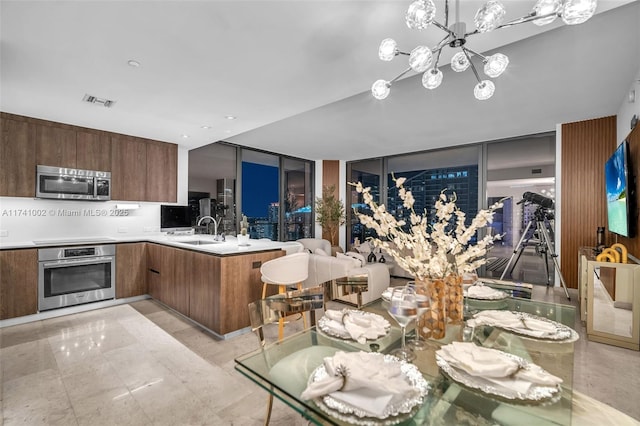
pixel 546 256
pixel 517 258
pixel 554 256
pixel 518 248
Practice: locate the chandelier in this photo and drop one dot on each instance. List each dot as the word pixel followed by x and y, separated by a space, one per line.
pixel 421 14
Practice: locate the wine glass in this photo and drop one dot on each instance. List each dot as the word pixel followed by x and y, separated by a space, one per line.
pixel 423 304
pixel 403 308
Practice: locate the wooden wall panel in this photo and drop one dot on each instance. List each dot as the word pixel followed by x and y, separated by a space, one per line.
pixel 633 244
pixel 586 145
pixel 330 176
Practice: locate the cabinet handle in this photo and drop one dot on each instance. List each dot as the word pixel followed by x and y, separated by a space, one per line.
pixel 154 271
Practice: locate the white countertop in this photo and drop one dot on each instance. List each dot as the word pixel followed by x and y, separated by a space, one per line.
pixel 222 248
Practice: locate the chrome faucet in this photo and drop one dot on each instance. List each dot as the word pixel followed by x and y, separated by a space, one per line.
pixel 215 225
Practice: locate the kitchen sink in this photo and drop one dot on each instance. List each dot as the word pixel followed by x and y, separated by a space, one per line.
pixel 199 242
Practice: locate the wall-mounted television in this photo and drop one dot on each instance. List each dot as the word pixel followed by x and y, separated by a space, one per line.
pixel 175 218
pixel 620 190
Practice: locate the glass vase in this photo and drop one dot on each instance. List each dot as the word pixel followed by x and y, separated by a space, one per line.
pixel 432 324
pixel 455 298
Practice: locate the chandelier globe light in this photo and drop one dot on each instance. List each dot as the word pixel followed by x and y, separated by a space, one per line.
pixel 422 13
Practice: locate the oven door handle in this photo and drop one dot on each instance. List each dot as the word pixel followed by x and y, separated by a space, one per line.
pixel 92 261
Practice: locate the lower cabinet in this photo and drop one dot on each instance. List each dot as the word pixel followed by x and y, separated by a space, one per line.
pixel 204 290
pixel 168 276
pixel 131 278
pixel 214 291
pixel 18 283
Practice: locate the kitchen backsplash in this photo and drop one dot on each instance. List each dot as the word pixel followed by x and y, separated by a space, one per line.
pixel 27 219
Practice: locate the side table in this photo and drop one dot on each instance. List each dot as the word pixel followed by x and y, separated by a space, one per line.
pixel 355 283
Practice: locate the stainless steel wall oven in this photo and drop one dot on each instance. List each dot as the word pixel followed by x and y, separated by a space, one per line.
pixel 70 276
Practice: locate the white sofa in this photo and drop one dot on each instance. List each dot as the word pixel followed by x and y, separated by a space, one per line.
pixel 325 268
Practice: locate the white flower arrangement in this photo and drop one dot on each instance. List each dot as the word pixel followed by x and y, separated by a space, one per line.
pixel 428 254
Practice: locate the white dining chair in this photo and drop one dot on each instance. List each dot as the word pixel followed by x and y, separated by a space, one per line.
pixel 286 271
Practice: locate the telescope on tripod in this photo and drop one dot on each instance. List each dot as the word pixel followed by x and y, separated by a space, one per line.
pixel 541 216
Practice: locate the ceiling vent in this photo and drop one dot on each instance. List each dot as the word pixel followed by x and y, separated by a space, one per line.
pixel 98 101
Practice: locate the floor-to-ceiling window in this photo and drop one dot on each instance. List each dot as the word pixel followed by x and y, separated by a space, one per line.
pixel 506 169
pixel 514 168
pixel 298 199
pixel 212 185
pixel 369 172
pixel 454 171
pixel 261 193
pixel 227 181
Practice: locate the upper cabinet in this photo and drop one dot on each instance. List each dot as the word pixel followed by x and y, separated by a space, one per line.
pixel 93 151
pixel 17 158
pixel 141 169
pixel 55 146
pixel 128 168
pixel 72 148
pixel 162 171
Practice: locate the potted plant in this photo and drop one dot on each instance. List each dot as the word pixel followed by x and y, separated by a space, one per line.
pixel 330 213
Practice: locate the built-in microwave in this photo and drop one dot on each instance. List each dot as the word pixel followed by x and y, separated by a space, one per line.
pixel 72 184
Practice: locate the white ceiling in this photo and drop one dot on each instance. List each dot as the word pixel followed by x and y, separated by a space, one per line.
pixel 297 73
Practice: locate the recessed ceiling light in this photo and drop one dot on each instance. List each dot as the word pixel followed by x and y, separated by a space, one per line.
pixel 185 136
pixel 133 63
pixel 205 127
pixel 230 117
pixel 227 131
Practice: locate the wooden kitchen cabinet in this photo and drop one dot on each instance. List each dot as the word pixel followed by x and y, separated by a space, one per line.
pixel 17 158
pixel 178 288
pixel 18 283
pixel 204 290
pixel 131 270
pixel 162 172
pixel 93 151
pixel 55 146
pixel 128 168
pixel 168 275
pixel 154 271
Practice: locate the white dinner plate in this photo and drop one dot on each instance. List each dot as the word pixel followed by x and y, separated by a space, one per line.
pixel 535 394
pixel 393 414
pixel 342 333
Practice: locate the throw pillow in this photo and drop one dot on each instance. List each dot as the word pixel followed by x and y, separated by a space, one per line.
pixel 321 252
pixel 360 258
pixel 356 262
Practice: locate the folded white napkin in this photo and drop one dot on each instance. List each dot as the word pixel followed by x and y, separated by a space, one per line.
pixel 387 293
pixel 514 321
pixel 481 291
pixel 363 380
pixel 496 367
pixel 358 325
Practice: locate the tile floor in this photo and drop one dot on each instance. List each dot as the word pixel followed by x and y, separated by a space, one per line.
pixel 142 364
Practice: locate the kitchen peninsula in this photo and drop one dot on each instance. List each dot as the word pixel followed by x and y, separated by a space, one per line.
pixel 210 282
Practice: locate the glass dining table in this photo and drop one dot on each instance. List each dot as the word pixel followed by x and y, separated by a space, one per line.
pixel 284 369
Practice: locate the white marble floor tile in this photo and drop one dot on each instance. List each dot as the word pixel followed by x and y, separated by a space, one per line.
pixel 25 359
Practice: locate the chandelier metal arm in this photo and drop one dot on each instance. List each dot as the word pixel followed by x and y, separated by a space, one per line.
pixel 484 58
pixel 440 45
pixel 446 13
pixel 399 75
pixel 443 28
pixel 435 64
pixel 527 18
pixel 473 68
